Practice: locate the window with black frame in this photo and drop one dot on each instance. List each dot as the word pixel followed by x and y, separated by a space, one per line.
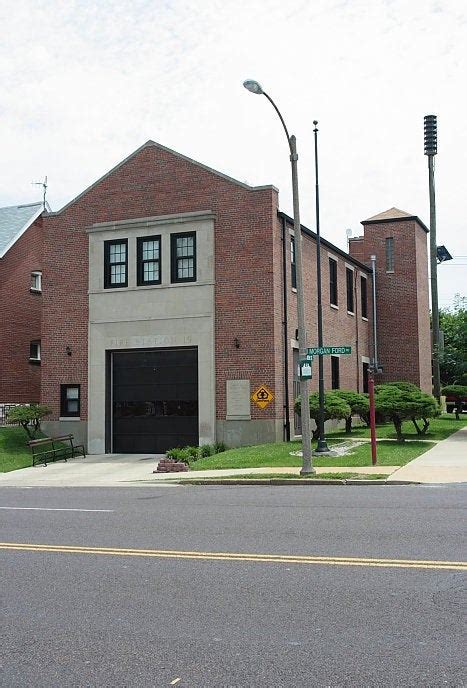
pixel 335 382
pixel 293 265
pixel 70 401
pixel 333 282
pixel 115 264
pixel 364 296
pixel 350 294
pixel 149 260
pixel 183 249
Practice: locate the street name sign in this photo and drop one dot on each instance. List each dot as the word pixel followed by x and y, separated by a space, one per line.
pixel 329 350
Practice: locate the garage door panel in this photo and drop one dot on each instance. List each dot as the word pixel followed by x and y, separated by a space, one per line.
pixel 155 393
pixel 156 375
pixel 155 400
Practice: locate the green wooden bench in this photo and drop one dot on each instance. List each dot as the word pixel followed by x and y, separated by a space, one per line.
pixel 59 448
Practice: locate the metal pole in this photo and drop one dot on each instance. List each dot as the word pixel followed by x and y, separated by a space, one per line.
pixel 307 466
pixel 375 336
pixel 321 446
pixel 371 395
pixel 434 283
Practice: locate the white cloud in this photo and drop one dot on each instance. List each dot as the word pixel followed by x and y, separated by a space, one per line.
pixel 85 83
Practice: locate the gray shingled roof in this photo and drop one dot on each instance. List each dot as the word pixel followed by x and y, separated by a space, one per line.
pixel 15 220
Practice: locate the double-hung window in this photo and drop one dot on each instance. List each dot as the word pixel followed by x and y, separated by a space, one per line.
pixel 36 281
pixel 35 351
pixel 115 264
pixel 149 260
pixel 364 296
pixel 350 296
pixel 333 282
pixel 183 249
pixel 70 401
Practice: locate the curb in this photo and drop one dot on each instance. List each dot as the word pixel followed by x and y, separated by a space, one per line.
pixel 299 481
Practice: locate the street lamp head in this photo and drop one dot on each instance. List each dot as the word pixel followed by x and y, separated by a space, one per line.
pixel 253 86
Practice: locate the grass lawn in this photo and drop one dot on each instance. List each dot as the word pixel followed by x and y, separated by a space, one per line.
pixel 295 476
pixel 439 429
pixel 14 452
pixel 389 454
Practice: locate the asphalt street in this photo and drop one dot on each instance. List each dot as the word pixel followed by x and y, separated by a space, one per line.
pixel 144 602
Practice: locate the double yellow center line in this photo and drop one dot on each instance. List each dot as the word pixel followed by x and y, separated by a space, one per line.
pixel 234 556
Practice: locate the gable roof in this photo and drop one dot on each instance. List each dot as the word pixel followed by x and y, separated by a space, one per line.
pixel 14 221
pixel 153 144
pixel 392 215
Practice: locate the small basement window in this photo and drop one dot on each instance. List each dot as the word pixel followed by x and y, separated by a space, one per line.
pixel 36 281
pixel 70 401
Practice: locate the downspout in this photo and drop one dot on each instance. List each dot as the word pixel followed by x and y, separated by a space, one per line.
pixel 375 338
pixel 285 326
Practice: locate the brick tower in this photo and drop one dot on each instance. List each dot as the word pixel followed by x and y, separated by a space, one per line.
pixel 399 242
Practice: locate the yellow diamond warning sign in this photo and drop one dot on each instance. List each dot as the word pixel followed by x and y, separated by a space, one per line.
pixel 262 396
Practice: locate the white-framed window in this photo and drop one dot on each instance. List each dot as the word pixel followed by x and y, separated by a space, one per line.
pixel 35 351
pixel 36 281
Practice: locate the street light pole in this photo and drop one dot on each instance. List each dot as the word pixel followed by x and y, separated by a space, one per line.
pixel 307 466
pixel 321 446
pixel 431 148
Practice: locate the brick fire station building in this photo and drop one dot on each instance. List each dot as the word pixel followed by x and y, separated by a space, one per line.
pixel 168 297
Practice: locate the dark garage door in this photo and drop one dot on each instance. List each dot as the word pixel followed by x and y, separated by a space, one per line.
pixel 155 400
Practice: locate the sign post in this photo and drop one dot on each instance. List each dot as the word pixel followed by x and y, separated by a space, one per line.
pixel 371 395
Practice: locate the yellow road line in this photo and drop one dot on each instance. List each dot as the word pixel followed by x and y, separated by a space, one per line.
pixel 234 556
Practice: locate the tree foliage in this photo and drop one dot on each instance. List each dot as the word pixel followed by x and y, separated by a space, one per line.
pixel 453 356
pixel 359 406
pixel 402 401
pixel 334 408
pixel 29 417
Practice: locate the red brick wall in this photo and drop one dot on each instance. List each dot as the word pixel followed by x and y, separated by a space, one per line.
pixel 339 327
pixel 157 182
pixel 401 298
pixel 20 317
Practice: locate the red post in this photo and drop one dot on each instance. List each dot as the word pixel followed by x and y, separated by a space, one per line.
pixel 371 394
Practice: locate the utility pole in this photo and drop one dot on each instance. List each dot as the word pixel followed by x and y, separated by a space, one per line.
pixel 321 446
pixel 431 148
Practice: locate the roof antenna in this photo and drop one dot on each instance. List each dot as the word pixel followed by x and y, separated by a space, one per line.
pixel 44 186
pixel 348 233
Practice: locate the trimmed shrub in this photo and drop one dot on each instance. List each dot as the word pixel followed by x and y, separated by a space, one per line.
pixel 206 450
pixel 359 406
pixel 27 417
pixel 334 408
pixel 399 401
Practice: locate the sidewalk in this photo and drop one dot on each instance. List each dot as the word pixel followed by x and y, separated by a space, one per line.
pixel 446 462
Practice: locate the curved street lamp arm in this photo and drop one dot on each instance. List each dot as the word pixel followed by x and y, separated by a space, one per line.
pixel 280 116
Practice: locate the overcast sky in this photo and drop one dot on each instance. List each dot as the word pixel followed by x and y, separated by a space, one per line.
pixel 85 83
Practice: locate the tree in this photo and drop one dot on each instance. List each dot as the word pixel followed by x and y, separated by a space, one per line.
pixel 359 405
pixel 403 401
pixel 458 393
pixel 453 356
pixel 334 407
pixel 28 416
